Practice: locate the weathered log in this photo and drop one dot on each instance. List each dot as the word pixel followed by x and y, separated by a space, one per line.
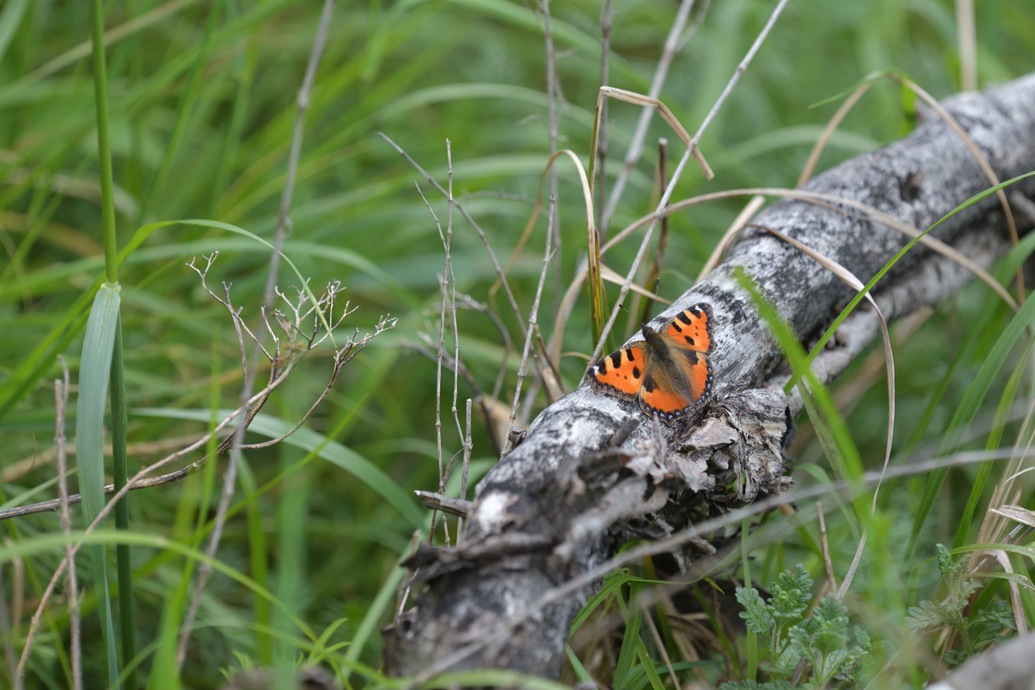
pixel 594 469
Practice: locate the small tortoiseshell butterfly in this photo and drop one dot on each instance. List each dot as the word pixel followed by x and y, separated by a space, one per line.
pixel 667 373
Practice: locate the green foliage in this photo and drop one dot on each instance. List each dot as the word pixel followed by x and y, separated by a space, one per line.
pixel 978 628
pixel 820 646
pixel 202 105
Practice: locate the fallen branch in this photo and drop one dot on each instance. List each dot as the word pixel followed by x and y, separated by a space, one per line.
pixel 593 470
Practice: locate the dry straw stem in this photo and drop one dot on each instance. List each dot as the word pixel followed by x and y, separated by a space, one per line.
pixel 447 314
pixel 986 168
pixel 61 387
pixel 692 146
pixel 673 42
pixel 500 274
pixel 138 480
pixel 533 324
pixel 600 154
pixel 555 104
pixel 966 41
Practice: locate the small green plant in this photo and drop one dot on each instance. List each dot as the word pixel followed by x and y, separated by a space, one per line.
pixel 975 630
pixel 816 648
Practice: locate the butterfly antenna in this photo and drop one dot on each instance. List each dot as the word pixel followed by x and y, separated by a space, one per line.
pixel 647 308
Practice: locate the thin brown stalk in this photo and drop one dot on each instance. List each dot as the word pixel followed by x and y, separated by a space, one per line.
pixel 632 156
pixel 135 481
pixel 600 154
pixel 824 544
pixel 500 274
pixel 724 244
pixel 658 260
pixel 966 41
pixel 828 131
pixel 447 311
pixel 71 584
pixel 554 105
pixel 548 253
pixel 465 468
pixel 660 645
pixel 678 172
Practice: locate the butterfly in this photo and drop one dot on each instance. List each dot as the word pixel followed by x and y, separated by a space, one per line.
pixel 668 372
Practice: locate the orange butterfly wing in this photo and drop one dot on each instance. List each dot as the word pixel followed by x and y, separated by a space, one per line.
pixel 668 373
pixel 622 370
pixel 656 398
pixel 690 335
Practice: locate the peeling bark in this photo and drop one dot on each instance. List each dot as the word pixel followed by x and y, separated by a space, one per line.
pixel 594 470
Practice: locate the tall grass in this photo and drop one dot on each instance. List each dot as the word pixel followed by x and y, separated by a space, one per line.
pixel 201 100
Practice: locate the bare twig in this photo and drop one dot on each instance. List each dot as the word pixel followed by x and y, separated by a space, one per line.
pixel 828 131
pixel 283 226
pixel 447 313
pixel 678 172
pixel 72 590
pixel 532 325
pixel 554 105
pixel 7 626
pixel 600 183
pixel 133 483
pixel 671 46
pixel 967 42
pixel 500 274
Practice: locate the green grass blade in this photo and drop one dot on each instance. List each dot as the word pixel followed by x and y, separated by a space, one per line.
pixel 315 442
pixel 120 464
pixel 93 396
pixel 183 112
pixel 843 454
pixel 258 551
pixel 630 638
pixel 374 615
pixel 968 408
pixel 10 18
pixel 32 368
pixel 861 295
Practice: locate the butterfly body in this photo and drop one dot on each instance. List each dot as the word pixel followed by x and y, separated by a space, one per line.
pixel 668 373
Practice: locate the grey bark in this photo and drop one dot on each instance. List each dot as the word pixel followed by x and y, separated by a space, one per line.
pixel 1008 666
pixel 593 470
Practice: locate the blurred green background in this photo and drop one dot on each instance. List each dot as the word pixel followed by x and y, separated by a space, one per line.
pixel 203 103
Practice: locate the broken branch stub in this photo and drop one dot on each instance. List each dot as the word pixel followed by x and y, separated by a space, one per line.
pixel 594 470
